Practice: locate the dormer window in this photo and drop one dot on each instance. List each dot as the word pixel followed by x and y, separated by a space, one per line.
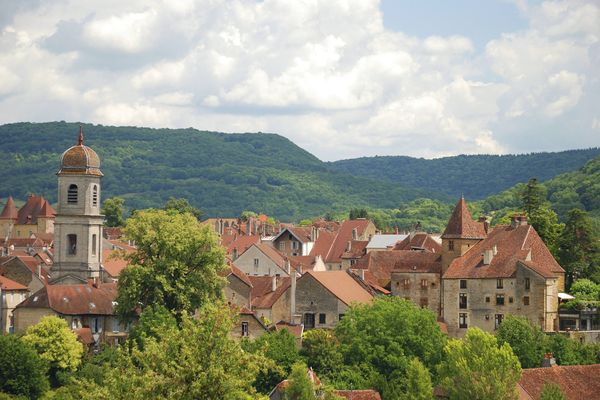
pixel 95 196
pixel 72 194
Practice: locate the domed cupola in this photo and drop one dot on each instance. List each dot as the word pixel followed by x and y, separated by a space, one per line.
pixel 80 160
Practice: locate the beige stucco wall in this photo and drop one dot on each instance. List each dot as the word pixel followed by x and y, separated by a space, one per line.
pixel 266 266
pixel 255 329
pixel 25 317
pixel 237 292
pixel 312 297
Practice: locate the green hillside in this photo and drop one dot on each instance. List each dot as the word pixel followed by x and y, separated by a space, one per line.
pixel 475 176
pixel 222 174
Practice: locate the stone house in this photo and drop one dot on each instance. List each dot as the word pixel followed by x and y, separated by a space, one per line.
pixel 489 274
pixel 323 298
pixel 11 294
pixel 271 298
pixel 350 231
pixel 248 325
pixel 82 306
pixel 295 241
pixel 238 290
pixel 29 271
pixel 261 259
pixel 36 216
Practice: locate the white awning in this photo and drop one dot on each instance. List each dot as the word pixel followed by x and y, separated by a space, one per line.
pixel 565 296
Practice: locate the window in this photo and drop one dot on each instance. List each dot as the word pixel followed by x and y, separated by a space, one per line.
pixel 510 300
pixel 115 324
pixel 290 236
pixel 498 320
pixel 245 332
pixel 527 284
pixel 462 321
pixel 424 302
pixel 525 300
pixel 352 262
pixel 72 244
pixel 462 300
pixel 499 299
pixel 406 283
pixel 451 245
pixel 72 194
pixel 95 196
pixel 96 325
pixel 424 284
pixel 295 245
pixel 309 321
pixel 341 316
pixel 322 318
pixel 282 245
pixel 499 284
pixel 487 299
pixel 94 244
pixel 256 265
pixel 463 283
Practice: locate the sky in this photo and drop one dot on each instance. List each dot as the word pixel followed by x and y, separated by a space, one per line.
pixel 340 78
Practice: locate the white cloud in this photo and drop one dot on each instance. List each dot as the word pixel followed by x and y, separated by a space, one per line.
pixel 326 74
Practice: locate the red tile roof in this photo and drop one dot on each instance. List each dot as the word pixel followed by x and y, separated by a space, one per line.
pixel 323 243
pixel 461 225
pixel 32 264
pixel 367 394
pixel 262 293
pixel 357 249
pixel 9 284
pixel 344 235
pixel 513 245
pixel 235 271
pixel 84 335
pixel 419 240
pixel 32 209
pixel 342 285
pixel 112 262
pixel 242 243
pixel 577 382
pixel 295 330
pixel 10 209
pixel 84 299
pixel 381 263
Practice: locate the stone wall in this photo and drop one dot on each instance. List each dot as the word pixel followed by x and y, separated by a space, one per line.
pixel 422 295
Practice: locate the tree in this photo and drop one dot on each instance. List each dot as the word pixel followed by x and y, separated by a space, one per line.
pixel 56 344
pixel 113 211
pixel 182 206
pixel 527 341
pixel 477 368
pixel 246 215
pixel 380 339
pixel 551 391
pixel 22 371
pixel 579 251
pixel 545 222
pixel 198 360
pixel 152 322
pixel 300 386
pixel 321 350
pixel 177 263
pixel 585 289
pixel 533 196
pixel 418 382
pixel 279 347
pixel 356 213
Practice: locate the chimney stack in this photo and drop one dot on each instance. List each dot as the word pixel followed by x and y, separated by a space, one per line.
pixel 488 255
pixel 518 220
pixel 486 224
pixel 273 283
pixel 293 297
pixel 549 361
pixel 361 274
pixel 354 234
pixel 349 245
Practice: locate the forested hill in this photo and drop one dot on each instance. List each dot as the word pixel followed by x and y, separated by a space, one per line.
pixel 475 176
pixel 222 174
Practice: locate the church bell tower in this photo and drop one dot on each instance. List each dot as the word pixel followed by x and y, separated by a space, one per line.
pixel 78 222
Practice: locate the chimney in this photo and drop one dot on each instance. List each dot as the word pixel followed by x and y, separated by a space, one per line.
pixel 293 297
pixel 349 245
pixel 486 224
pixel 39 271
pixel 495 249
pixel 361 274
pixel 314 234
pixel 518 220
pixel 273 283
pixel 488 255
pixel 549 361
pixel 248 227
pixel 354 234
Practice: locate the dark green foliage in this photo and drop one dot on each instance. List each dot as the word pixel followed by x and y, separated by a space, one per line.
pixel 221 174
pixel 152 322
pixel 533 196
pixel 526 340
pixel 551 391
pixel 182 206
pixel 113 210
pixel 357 213
pixel 579 250
pixel 378 341
pixel 571 352
pixel 278 347
pixel 475 176
pixel 22 371
pixel 321 350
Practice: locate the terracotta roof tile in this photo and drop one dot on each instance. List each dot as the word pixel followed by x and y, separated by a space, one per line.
pixel 75 299
pixel 576 381
pixel 419 240
pixel 235 271
pixel 323 243
pixel 295 330
pixel 357 249
pixel 112 262
pixel 381 263
pixel 462 225
pixel 343 236
pixel 242 243
pixel 84 335
pixel 9 284
pixel 342 285
pixel 262 293
pixel 365 394
pixel 32 209
pixel 10 209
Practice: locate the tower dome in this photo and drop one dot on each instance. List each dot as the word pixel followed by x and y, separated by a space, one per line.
pixel 80 159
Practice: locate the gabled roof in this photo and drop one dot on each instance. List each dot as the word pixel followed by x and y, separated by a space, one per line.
pixel 84 299
pixel 575 381
pixel 112 262
pixel 461 225
pixel 273 254
pixel 342 285
pixel 344 235
pixel 357 249
pixel 35 207
pixel 238 273
pixel 302 233
pixel 242 243
pixel 323 243
pixel 31 263
pixel 9 284
pixel 262 293
pixel 419 241
pixel 10 209
pixel 520 245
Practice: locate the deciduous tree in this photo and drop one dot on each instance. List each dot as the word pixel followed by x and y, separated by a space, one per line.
pixel 527 341
pixel 418 384
pixel 22 371
pixel 113 211
pixel 551 391
pixel 477 368
pixel 182 206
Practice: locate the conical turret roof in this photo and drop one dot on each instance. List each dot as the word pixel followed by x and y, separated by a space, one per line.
pixel 10 210
pixel 461 224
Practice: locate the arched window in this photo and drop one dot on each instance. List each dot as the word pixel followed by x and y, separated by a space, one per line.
pixel 95 196
pixel 72 194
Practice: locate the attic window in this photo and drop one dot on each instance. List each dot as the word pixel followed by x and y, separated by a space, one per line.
pixel 451 245
pixel 35 298
pixel 72 194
